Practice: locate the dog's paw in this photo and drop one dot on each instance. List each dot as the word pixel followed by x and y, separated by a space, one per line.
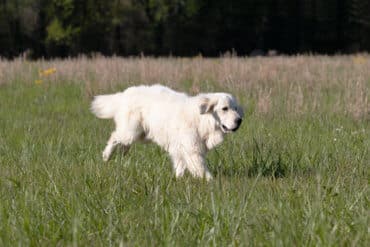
pixel 209 176
pixel 105 156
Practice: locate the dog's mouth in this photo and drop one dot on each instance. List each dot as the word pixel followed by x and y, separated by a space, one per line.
pixel 227 130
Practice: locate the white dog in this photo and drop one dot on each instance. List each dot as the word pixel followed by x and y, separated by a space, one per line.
pixel 186 127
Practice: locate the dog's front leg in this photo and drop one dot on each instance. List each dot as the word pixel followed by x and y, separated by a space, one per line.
pixel 195 162
pixel 178 165
pixel 214 139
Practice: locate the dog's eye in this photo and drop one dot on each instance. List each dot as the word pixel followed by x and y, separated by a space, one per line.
pixel 225 108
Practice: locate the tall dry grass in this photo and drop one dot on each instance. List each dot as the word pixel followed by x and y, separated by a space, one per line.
pixel 299 84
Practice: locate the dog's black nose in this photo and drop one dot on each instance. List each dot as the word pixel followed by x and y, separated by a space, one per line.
pixel 238 121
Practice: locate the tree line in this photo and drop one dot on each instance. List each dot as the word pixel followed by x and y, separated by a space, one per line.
pixel 60 28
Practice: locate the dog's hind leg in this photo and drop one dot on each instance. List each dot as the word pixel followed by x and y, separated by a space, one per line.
pixel 128 130
pixel 111 145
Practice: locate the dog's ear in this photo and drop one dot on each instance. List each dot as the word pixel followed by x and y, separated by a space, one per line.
pixel 207 105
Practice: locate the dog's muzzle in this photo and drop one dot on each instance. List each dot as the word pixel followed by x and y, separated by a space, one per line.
pixel 237 122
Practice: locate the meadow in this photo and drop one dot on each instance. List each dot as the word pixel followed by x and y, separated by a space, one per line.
pixel 296 173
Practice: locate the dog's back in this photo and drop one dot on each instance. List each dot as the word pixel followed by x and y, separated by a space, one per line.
pixel 155 93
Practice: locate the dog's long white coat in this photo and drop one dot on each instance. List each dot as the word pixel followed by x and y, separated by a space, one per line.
pixel 186 127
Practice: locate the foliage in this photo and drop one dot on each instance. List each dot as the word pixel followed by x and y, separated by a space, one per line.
pixel 182 27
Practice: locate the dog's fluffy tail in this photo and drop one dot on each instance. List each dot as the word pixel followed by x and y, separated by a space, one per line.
pixel 105 106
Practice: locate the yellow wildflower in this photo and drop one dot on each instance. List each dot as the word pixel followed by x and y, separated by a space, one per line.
pixel 38 81
pixel 47 72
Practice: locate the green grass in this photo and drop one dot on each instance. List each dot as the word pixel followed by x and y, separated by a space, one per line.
pixel 282 180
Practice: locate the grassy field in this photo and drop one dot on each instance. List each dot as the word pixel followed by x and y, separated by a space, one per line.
pixel 296 173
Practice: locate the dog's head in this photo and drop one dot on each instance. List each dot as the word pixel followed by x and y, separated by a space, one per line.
pixel 224 108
